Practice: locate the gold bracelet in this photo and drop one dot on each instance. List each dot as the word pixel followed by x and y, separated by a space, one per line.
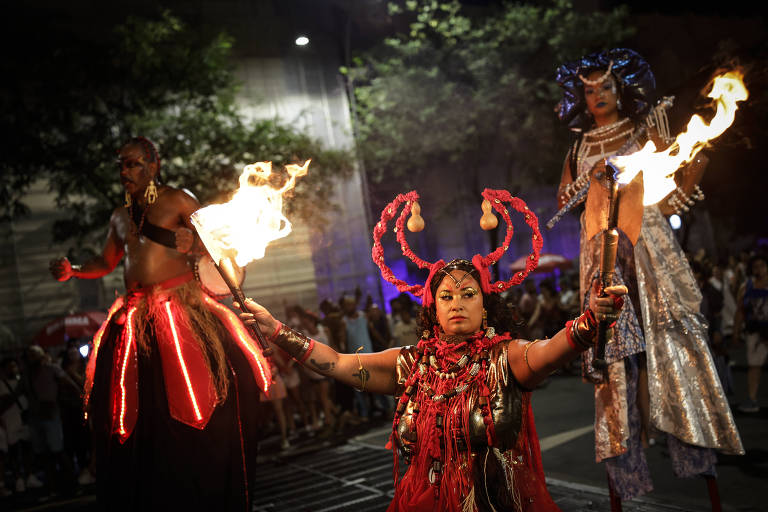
pixel 525 354
pixel 363 371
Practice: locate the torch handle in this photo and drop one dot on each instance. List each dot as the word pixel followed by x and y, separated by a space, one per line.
pixel 607 263
pixel 225 269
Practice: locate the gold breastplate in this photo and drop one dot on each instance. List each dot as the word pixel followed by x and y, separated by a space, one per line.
pixel 505 401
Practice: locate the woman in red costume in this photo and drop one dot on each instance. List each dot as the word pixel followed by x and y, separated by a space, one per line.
pixel 463 422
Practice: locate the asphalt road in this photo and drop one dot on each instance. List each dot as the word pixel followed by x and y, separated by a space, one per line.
pixel 353 471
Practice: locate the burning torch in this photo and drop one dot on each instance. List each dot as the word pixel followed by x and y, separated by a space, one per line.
pixel 238 231
pixel 658 168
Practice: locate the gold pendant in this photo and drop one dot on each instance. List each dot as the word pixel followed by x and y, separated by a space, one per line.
pixel 150 194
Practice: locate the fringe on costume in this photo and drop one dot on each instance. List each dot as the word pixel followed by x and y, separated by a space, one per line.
pixel 203 324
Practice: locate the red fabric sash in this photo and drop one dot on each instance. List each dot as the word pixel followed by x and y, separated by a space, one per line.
pixel 189 385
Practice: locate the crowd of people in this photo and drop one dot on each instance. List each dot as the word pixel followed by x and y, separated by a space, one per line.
pixel 44 439
pixel 735 303
pixel 305 403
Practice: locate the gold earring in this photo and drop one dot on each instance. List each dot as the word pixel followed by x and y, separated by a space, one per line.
pixel 485 319
pixel 128 200
pixel 150 194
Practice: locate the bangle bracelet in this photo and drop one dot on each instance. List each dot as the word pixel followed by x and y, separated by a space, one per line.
pixel 364 375
pixel 584 344
pixel 525 354
pixel 581 331
pixel 569 336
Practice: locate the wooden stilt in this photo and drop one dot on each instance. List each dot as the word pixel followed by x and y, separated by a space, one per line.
pixel 714 493
pixel 615 500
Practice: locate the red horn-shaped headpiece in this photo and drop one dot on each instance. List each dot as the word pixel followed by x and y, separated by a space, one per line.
pixel 496 198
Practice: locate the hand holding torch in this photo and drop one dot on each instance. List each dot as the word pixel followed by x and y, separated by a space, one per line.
pixel 228 270
pixel 238 231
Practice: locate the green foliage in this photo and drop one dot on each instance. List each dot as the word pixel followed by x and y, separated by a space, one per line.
pixel 471 97
pixel 73 107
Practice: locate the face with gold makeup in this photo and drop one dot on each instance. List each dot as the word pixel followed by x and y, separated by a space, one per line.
pixel 459 303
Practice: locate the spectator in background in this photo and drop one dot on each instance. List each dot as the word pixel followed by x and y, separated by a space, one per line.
pixel 551 316
pixel 752 321
pixel 529 311
pixel 569 297
pixel 721 340
pixel 378 326
pixel 358 338
pixel 276 399
pixel 335 326
pixel 393 317
pixel 711 307
pixel 76 435
pixel 320 386
pixel 723 279
pixel 406 330
pixel 45 379
pixel 289 371
pixel 14 434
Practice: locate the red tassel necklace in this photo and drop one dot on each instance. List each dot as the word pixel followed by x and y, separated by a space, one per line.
pixel 437 388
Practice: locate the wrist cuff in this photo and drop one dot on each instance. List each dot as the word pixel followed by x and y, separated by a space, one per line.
pixel 294 343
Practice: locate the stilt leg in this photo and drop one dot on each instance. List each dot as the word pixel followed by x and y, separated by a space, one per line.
pixel 615 500
pixel 714 494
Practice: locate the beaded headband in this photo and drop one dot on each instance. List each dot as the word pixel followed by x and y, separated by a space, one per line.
pixel 493 199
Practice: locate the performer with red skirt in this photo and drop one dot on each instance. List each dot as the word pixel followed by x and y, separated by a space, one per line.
pixel 172 374
pixel 463 423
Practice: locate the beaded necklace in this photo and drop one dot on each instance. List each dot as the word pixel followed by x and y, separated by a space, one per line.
pixel 601 137
pixel 137 225
pixel 438 383
pixel 598 137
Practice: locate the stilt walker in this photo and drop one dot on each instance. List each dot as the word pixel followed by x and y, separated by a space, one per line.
pixel 655 373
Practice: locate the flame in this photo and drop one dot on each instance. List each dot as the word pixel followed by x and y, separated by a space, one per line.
pixel 659 167
pixel 243 227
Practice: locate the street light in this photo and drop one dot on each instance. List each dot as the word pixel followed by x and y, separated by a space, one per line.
pixel 302 41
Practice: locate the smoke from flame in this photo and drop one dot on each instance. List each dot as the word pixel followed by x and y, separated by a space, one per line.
pixel 659 167
pixel 242 227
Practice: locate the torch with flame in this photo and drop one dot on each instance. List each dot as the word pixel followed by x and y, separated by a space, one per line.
pixel 658 168
pixel 238 231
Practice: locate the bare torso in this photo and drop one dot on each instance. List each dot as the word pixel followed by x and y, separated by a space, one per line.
pixel 147 262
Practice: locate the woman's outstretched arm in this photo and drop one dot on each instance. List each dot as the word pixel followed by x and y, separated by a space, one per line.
pixel 365 371
pixel 532 361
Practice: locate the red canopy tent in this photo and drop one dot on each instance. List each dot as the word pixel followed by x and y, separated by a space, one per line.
pixel 73 326
pixel 548 262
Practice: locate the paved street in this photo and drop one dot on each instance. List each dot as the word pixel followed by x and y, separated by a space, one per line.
pixel 358 475
pixel 354 473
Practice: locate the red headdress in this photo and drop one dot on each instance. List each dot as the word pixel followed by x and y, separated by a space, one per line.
pixel 494 199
